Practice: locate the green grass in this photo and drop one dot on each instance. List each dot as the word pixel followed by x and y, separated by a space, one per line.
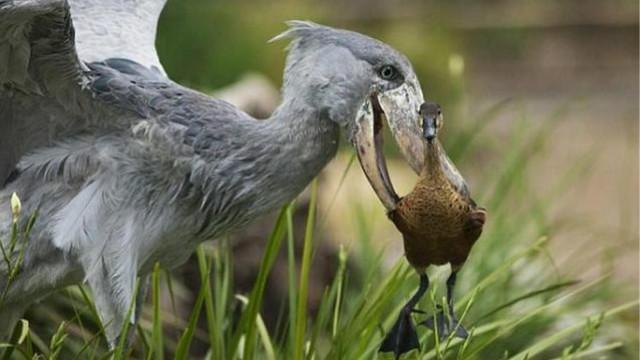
pixel 512 296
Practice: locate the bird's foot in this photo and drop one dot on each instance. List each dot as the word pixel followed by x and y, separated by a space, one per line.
pixel 445 325
pixel 403 337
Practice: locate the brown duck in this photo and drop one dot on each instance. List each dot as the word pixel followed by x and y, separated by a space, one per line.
pixel 440 223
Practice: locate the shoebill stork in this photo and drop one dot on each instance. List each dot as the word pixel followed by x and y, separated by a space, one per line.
pixel 126 168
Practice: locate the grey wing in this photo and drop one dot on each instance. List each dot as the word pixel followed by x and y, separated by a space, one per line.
pixel 42 82
pixel 49 96
pixel 104 30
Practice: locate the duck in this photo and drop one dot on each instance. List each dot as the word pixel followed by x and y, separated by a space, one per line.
pixel 439 223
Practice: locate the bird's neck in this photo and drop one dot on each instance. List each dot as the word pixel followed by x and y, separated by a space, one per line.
pixel 433 159
pixel 269 162
pixel 303 140
pixel 308 134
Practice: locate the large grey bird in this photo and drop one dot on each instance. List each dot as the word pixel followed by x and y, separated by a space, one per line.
pixel 126 168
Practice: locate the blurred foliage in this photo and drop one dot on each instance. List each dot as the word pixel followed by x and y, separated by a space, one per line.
pixel 221 40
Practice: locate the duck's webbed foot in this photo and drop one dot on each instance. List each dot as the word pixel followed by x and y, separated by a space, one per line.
pixel 446 324
pixel 403 337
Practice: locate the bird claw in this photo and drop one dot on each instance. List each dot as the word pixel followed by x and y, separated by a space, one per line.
pixel 403 337
pixel 445 325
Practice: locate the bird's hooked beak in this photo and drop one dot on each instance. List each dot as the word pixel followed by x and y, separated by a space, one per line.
pixel 399 108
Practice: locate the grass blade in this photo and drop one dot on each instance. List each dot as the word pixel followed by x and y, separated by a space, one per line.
pixel 157 347
pixel 123 346
pixel 182 350
pixel 529 295
pixel 303 288
pixel 291 262
pixel 246 325
pixel 204 267
pixel 547 342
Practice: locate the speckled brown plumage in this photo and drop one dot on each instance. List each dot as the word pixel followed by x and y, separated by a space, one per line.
pixel 439 224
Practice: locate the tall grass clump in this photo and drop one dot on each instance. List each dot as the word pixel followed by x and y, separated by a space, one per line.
pixel 512 294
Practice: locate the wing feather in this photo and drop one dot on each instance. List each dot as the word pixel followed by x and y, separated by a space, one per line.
pixel 43 80
pixel 38 47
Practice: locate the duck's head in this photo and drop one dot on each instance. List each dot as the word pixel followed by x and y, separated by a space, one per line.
pixel 431 117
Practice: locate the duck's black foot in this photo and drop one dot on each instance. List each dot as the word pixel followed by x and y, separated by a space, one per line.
pixel 403 337
pixel 446 325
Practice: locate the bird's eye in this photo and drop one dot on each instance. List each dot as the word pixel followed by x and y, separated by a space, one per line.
pixel 388 72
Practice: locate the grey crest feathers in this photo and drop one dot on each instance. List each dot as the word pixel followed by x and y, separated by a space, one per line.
pixel 307 34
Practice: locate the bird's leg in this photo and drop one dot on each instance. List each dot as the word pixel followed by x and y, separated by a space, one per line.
pixel 447 324
pixel 403 337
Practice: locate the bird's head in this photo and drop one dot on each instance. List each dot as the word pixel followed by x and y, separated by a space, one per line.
pixel 359 83
pixel 431 117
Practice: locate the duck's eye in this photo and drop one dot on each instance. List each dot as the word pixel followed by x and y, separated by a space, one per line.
pixel 388 72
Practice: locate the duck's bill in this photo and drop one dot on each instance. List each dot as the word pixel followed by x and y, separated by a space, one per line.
pixel 399 109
